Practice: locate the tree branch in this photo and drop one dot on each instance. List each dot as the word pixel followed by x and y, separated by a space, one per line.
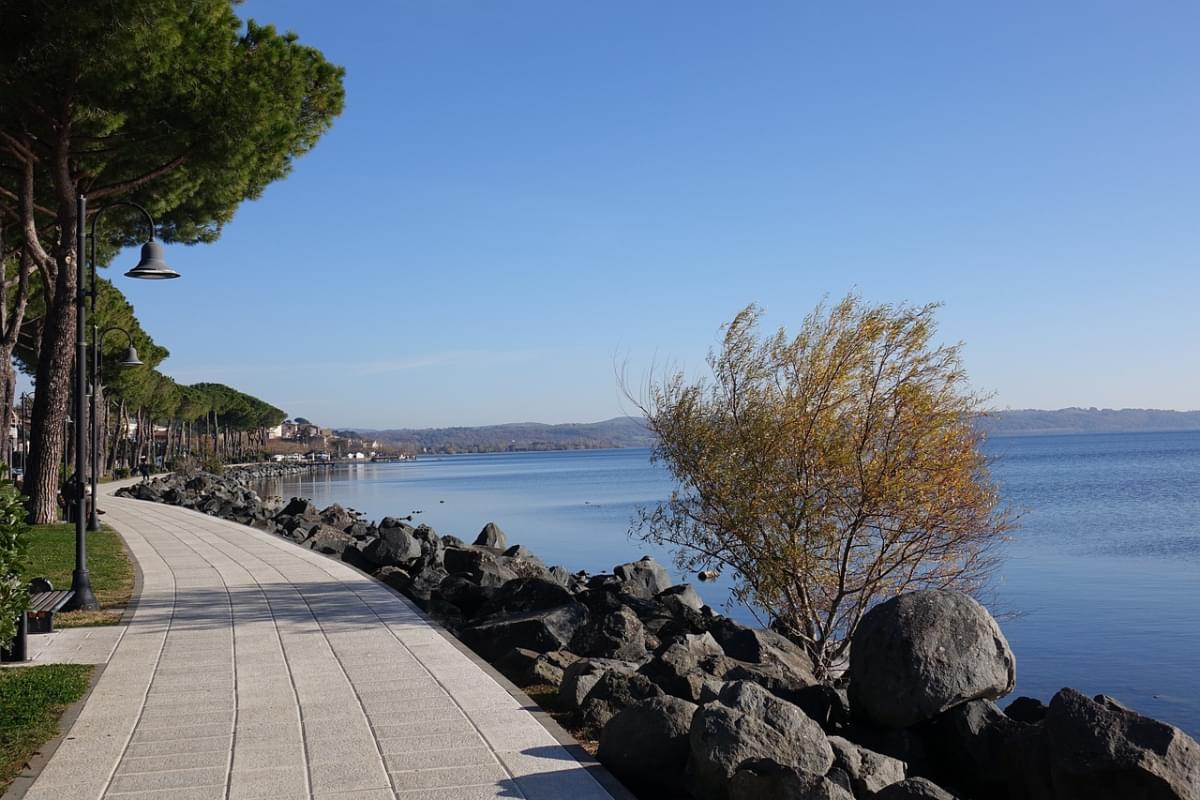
pixel 138 182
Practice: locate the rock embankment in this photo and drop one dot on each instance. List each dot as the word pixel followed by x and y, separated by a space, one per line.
pixel 687 703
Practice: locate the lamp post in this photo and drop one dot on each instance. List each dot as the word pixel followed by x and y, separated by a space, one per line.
pixel 131 360
pixel 150 266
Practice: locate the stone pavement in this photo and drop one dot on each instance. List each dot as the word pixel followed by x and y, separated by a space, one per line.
pixel 75 645
pixel 253 668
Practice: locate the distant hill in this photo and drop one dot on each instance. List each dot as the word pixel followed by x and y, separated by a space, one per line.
pixel 1030 421
pixel 616 432
pixel 632 432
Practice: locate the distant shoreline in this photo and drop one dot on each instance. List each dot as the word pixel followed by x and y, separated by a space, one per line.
pixel 622 433
pixel 1077 432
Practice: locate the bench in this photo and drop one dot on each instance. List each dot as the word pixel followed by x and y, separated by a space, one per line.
pixel 43 603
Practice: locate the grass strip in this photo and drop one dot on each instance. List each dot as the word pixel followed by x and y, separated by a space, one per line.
pixel 32 699
pixel 52 555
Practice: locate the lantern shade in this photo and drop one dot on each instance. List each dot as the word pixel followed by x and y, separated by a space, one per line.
pixel 131 358
pixel 152 266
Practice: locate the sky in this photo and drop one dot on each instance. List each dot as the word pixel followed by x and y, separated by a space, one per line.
pixel 523 199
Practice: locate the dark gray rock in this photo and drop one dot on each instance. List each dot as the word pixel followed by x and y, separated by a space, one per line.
pixel 529 668
pixel 479 565
pixel 971 748
pixel 395 547
pixel 522 595
pixel 300 507
pixel 337 517
pixel 919 654
pixel 582 676
pixel 682 595
pixel 1026 709
pixel 541 631
pixel 646 744
pixel 747 723
pixel 618 634
pixel 615 690
pixel 914 789
pixel 468 596
pixel 867 770
pixel 644 578
pixel 1101 750
pixel 520 551
pixel 683 666
pixel 492 536
pixel 431 545
pixel 327 539
pixel 830 707
pixel 418 587
pixel 764 779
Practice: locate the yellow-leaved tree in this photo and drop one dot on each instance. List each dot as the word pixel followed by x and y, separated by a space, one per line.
pixel 827 471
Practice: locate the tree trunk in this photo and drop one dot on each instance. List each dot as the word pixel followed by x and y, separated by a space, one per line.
pixel 52 400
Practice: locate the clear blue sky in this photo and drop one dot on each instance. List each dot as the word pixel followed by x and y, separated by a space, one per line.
pixel 521 195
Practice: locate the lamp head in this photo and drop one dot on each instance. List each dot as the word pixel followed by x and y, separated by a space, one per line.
pixel 152 266
pixel 131 358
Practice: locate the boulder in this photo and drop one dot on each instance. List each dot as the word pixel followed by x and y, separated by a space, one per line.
pixel 522 595
pixel 914 789
pixel 682 667
pixel 1026 709
pixel 618 634
pixel 418 586
pixel 680 596
pixel 615 690
pixel 492 536
pixel 646 744
pixel 529 668
pixel 327 539
pixel 867 770
pixel 540 631
pixel 431 544
pixel 481 566
pixel 763 779
pixel 644 578
pixel 469 597
pixel 395 547
pixel 971 747
pixel 919 654
pixel 520 551
pixel 337 517
pixel 748 722
pixel 830 707
pixel 299 507
pixel 582 676
pixel 1101 750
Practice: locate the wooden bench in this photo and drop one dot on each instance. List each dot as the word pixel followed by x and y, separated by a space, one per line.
pixel 43 603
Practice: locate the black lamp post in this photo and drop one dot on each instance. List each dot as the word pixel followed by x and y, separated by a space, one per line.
pixel 150 266
pixel 131 360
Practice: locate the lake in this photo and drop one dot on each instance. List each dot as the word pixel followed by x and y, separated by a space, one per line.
pixel 1103 577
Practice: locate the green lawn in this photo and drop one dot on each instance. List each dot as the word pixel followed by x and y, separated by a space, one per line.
pixel 31 701
pixel 52 554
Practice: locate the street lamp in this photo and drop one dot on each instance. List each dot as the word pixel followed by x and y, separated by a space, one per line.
pixel 150 266
pixel 131 360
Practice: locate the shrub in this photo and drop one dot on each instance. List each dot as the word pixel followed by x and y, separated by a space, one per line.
pixel 14 597
pixel 827 471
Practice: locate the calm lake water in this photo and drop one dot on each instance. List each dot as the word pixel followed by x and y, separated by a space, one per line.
pixel 1104 573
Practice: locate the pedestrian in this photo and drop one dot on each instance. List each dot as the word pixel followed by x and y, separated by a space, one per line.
pixel 144 468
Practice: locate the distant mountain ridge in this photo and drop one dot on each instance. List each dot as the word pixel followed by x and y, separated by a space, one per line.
pixel 1029 421
pixel 517 436
pixel 631 431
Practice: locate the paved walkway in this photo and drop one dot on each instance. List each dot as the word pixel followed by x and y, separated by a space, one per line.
pixel 253 668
